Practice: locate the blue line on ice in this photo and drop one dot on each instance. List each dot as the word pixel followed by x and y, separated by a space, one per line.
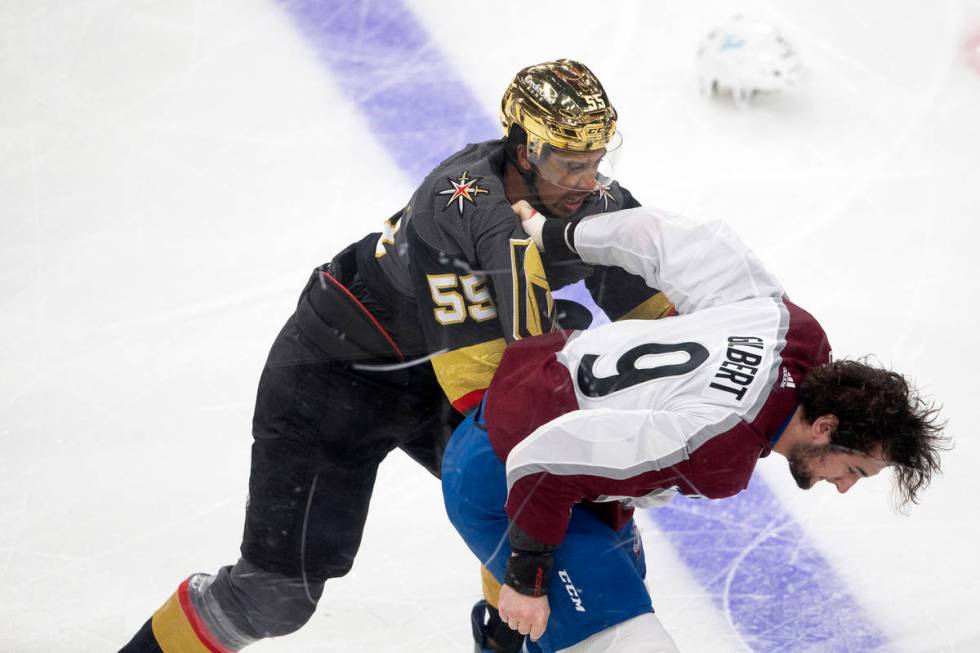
pixel 416 104
pixel 755 561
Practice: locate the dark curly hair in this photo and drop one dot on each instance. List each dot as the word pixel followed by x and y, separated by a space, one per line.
pixel 877 407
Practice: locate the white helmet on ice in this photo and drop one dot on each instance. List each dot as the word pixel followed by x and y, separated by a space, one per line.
pixel 744 57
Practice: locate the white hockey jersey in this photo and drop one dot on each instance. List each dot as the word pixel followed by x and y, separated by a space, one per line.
pixel 630 412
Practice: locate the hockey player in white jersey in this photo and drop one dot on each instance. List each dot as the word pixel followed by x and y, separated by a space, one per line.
pixel 578 428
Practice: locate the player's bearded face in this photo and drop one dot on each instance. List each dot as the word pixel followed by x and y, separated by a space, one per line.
pixel 566 179
pixel 837 465
pixel 801 460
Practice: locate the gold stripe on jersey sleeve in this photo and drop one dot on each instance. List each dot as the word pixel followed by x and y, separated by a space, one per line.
pixel 462 371
pixel 653 308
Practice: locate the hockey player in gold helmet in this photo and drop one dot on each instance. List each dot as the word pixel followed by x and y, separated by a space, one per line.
pixel 561 132
pixel 394 341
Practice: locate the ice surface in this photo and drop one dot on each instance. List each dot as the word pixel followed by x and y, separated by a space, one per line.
pixel 172 171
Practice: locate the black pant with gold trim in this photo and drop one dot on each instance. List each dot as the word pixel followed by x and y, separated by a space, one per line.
pixel 321 428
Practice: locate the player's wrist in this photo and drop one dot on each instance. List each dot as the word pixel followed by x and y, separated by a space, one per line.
pixel 558 238
pixel 533 226
pixel 529 573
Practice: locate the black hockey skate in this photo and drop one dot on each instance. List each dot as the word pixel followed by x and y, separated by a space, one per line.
pixel 490 634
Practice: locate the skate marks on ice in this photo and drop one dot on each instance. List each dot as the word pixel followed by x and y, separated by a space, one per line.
pixel 756 564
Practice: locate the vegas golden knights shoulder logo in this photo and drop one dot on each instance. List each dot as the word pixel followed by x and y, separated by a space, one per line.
pixel 603 193
pixel 464 188
pixel 534 307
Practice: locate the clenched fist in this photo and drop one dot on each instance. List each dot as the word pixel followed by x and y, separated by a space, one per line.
pixel 527 615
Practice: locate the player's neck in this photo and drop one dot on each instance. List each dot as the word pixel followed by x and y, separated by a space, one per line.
pixel 796 431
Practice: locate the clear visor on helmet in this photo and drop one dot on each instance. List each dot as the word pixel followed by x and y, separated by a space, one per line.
pixel 572 170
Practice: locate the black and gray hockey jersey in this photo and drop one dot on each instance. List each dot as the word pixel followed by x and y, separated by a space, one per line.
pixel 478 280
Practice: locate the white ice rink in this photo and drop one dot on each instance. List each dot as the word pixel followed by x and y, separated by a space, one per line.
pixel 171 171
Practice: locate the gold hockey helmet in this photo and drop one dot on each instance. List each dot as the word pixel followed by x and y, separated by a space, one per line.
pixel 559 103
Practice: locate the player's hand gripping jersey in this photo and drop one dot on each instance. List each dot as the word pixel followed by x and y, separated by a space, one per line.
pixel 479 280
pixel 632 412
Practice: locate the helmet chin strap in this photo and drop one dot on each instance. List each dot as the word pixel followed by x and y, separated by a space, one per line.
pixel 531 181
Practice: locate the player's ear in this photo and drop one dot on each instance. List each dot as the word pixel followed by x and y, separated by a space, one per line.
pixel 823 429
pixel 523 162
